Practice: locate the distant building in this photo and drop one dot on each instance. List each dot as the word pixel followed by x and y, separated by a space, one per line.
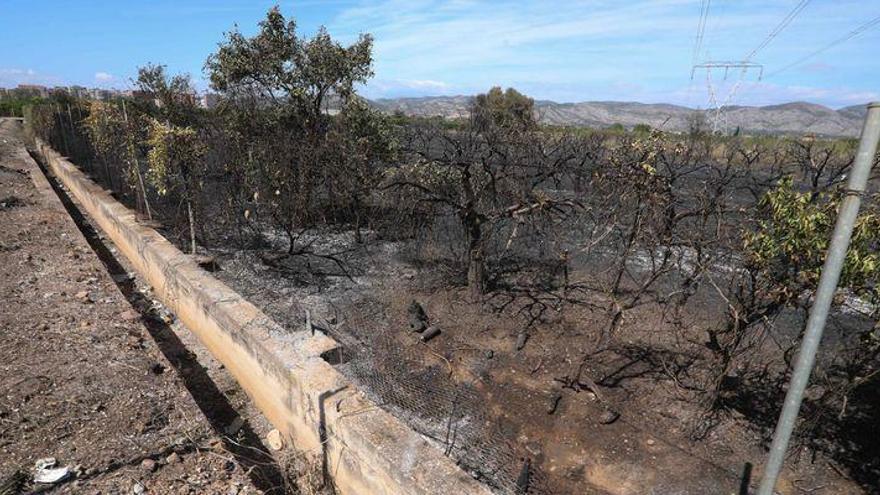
pixel 209 100
pixel 59 91
pixel 32 90
pixel 78 92
pixel 206 100
pixel 100 94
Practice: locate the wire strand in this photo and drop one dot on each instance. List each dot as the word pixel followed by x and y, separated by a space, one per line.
pixel 778 29
pixel 852 34
pixel 701 29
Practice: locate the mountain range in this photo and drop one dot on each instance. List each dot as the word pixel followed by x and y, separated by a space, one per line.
pixel 788 118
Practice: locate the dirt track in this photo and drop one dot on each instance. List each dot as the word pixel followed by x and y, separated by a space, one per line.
pixel 86 376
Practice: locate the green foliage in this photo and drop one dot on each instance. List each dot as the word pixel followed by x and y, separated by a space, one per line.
pixel 279 66
pixel 169 98
pixel 14 106
pixel 116 133
pixel 106 128
pixel 617 128
pixel 173 157
pixel 643 129
pixel 39 121
pixel 792 237
pixel 509 109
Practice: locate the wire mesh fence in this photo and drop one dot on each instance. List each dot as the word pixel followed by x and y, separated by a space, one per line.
pixel 451 412
pixel 406 377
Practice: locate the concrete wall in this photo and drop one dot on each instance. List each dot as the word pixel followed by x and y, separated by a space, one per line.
pixel 365 450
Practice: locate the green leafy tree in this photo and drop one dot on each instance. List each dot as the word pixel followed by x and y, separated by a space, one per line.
pixel 280 66
pixel 116 136
pixel 792 237
pixel 14 106
pixel 174 158
pixel 166 97
pixel 277 88
pixel 505 109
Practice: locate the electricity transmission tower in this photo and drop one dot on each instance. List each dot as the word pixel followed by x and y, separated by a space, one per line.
pixel 716 107
pixel 742 66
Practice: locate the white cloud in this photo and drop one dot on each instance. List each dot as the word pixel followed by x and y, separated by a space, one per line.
pixel 13 76
pixel 17 72
pixel 425 84
pixel 103 77
pixel 418 39
pixel 379 88
pixel 585 50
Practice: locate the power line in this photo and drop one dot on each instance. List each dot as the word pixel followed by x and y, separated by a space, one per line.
pixel 778 29
pixel 773 34
pixel 852 34
pixel 701 28
pixel 743 65
pixel 698 43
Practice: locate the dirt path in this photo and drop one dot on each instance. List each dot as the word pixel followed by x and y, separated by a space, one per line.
pixel 85 376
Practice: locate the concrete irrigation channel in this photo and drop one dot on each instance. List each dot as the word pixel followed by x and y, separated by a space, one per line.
pixel 361 448
pixel 89 379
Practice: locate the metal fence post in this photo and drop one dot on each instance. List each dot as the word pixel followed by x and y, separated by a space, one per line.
pixel 849 210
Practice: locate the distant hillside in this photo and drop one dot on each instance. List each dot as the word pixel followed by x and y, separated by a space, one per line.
pixel 429 106
pixel 789 118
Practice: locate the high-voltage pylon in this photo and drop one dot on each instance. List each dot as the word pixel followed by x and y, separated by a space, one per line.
pixel 742 67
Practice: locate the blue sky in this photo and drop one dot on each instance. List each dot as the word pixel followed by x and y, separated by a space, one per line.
pixel 630 50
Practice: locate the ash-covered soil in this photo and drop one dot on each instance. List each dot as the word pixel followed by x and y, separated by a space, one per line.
pixel 488 389
pixel 507 403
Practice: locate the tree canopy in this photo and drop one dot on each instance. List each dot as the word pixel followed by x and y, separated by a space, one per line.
pixel 278 65
pixel 508 109
pixel 169 98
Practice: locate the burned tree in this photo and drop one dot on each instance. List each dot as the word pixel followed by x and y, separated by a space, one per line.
pixel 277 89
pixel 363 147
pixel 171 99
pixel 822 164
pixel 493 174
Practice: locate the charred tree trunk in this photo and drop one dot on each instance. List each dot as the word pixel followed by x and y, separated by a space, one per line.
pixel 291 239
pixel 358 221
pixel 472 222
pixel 476 261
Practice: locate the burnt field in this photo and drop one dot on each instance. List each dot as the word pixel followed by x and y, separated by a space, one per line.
pixel 559 310
pixel 614 309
